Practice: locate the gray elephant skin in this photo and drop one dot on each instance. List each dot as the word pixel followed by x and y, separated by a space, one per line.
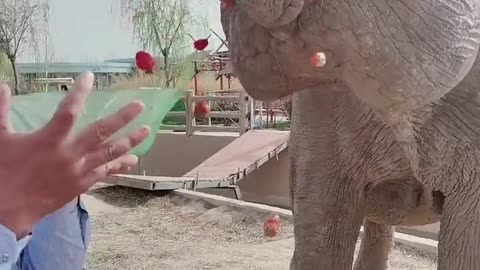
pixel 387 133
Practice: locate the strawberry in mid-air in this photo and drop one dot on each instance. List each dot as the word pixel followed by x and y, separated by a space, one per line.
pixel 272 227
pixel 200 44
pixel 145 62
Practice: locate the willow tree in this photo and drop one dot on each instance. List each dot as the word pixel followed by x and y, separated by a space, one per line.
pixel 20 23
pixel 161 26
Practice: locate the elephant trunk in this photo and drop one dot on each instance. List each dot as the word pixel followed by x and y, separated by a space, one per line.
pixel 272 13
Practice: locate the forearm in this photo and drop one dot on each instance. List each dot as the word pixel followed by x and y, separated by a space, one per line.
pixel 59 241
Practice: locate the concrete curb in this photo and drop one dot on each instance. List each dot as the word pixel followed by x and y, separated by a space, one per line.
pixel 219 200
pixel 418 232
pixel 427 246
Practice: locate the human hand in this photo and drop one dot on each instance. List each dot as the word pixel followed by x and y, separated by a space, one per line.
pixel 42 171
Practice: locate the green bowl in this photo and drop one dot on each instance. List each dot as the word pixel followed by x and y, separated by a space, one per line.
pixel 31 112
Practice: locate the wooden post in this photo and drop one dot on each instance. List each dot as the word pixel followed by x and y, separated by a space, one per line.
pixel 243 112
pixel 209 118
pixel 268 115
pixel 189 111
pixel 221 76
pixel 261 114
pixel 195 77
pixel 252 113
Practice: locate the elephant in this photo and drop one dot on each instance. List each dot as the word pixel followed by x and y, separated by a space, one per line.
pixel 385 133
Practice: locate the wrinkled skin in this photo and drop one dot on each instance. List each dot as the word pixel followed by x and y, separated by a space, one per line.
pixel 386 133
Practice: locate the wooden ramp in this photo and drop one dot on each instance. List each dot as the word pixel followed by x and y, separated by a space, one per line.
pixel 225 168
pixel 242 156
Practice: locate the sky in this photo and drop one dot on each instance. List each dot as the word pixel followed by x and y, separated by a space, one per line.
pixel 94 30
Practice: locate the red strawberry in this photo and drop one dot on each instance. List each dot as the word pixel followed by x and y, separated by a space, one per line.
pixel 272 227
pixel 201 109
pixel 145 61
pixel 200 44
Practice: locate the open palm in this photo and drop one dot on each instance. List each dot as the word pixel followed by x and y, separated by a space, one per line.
pixel 42 171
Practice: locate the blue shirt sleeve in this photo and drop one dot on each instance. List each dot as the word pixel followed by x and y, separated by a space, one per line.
pixel 8 248
pixel 59 241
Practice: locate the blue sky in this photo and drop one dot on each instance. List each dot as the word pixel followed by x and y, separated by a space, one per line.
pixel 91 30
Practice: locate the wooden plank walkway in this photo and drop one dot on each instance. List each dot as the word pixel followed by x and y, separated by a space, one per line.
pixel 243 155
pixel 223 169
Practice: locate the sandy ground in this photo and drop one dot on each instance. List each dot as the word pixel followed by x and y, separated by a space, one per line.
pixel 139 230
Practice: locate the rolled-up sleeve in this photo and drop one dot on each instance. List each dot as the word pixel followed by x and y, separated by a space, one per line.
pixel 59 241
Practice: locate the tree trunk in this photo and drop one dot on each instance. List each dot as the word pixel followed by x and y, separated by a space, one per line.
pixel 15 74
pixel 166 71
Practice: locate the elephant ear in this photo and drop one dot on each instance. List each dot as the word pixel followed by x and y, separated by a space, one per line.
pixel 272 13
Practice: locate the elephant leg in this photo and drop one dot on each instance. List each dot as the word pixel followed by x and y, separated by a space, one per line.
pixel 327 220
pixel 376 244
pixel 328 199
pixel 459 238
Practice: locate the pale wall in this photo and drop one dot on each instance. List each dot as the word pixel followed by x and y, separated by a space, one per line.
pixel 267 185
pixel 175 154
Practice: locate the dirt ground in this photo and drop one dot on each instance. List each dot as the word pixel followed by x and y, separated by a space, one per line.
pixel 151 231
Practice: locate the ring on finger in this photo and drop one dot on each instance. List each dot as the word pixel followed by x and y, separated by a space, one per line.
pixel 101 131
pixel 107 170
pixel 111 152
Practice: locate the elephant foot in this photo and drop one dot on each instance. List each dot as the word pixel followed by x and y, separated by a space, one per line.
pixel 376 244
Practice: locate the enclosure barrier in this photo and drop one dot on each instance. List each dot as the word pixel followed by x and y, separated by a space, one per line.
pixel 245 106
pixel 57 82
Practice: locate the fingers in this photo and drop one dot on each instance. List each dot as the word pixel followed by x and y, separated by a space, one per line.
pixel 5 94
pixel 98 132
pixel 121 165
pixel 111 151
pixel 71 106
